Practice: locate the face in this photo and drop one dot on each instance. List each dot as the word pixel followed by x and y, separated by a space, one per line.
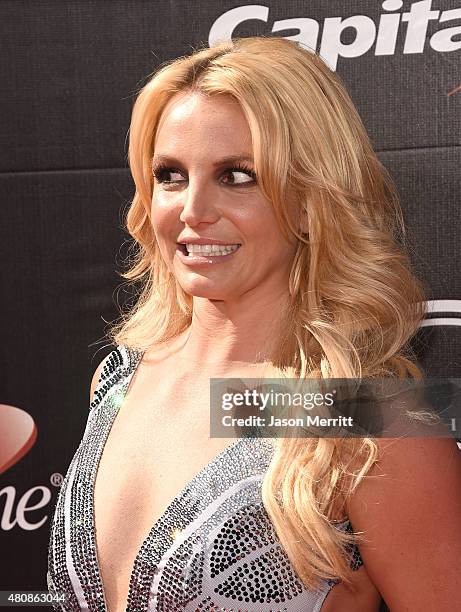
pixel 205 191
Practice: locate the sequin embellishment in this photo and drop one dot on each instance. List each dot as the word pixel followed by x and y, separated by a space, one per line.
pixel 213 549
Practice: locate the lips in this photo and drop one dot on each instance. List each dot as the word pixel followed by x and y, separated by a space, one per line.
pixel 204 240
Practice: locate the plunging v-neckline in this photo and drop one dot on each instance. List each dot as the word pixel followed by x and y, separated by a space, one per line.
pixel 204 548
pixel 164 514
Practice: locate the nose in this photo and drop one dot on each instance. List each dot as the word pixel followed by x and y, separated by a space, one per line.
pixel 198 204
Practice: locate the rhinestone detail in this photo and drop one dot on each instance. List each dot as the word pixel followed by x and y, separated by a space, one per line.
pixel 214 548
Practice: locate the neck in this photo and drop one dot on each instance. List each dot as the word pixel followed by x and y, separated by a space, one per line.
pixel 223 333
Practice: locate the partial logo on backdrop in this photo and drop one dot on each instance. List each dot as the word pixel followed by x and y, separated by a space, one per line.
pixel 443 312
pixel 18 434
pixel 365 34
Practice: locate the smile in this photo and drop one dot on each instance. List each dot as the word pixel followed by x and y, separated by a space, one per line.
pixel 209 249
pixel 206 254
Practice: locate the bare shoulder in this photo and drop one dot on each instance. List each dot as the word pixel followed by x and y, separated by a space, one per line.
pixel 408 509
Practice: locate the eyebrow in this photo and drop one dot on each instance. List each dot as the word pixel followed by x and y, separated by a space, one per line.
pixel 231 159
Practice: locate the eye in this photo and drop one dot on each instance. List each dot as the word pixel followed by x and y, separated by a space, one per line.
pixel 161 174
pixel 240 175
pixel 243 174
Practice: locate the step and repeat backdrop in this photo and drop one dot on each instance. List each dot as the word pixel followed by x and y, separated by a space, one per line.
pixel 70 71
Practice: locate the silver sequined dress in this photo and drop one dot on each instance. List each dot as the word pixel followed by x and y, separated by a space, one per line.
pixel 214 548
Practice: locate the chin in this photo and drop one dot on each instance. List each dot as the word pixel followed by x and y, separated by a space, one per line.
pixel 209 292
pixel 209 295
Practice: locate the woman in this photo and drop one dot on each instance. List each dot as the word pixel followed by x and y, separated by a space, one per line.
pixel 268 237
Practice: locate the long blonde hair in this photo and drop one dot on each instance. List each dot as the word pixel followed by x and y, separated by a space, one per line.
pixel 355 302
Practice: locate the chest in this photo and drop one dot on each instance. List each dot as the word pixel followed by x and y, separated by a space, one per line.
pixel 153 449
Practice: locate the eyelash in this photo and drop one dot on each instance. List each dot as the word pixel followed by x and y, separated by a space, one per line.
pixel 158 172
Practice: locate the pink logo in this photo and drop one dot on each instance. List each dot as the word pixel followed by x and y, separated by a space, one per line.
pixel 18 434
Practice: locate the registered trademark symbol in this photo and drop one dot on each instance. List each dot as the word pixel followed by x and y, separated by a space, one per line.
pixel 56 479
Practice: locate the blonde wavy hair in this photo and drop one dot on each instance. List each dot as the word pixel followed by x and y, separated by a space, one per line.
pixel 354 301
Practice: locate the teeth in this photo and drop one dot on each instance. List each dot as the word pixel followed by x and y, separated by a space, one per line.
pixel 211 249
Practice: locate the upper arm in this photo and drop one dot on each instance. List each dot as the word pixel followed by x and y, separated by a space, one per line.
pixel 96 377
pixel 410 511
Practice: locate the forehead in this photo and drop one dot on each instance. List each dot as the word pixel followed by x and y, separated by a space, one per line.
pixel 193 119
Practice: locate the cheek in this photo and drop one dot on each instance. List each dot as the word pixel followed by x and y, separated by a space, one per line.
pixel 163 234
pixel 271 241
pixel 163 218
pixel 262 225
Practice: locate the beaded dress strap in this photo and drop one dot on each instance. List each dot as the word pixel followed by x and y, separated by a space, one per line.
pixel 118 364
